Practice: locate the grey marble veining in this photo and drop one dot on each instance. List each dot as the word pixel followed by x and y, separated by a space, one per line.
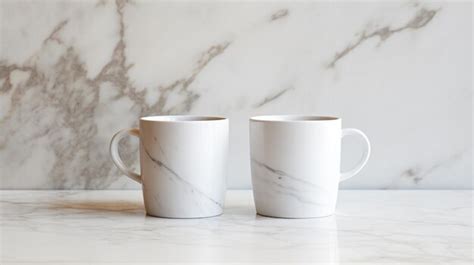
pixel 419 20
pixel 274 181
pixel 403 227
pixel 73 73
pixel 193 190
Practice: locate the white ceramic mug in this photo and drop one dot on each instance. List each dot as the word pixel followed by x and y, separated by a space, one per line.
pixel 295 162
pixel 183 162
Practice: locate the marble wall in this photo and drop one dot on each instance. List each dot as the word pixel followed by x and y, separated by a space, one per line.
pixel 74 72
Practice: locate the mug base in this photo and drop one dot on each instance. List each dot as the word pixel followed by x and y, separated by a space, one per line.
pixel 183 217
pixel 295 217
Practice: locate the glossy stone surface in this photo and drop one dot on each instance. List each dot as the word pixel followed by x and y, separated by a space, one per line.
pixel 72 73
pixel 374 227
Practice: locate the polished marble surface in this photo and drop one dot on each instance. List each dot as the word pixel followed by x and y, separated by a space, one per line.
pixel 72 73
pixel 110 226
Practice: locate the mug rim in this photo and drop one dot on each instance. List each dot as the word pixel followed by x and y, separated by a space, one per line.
pixel 293 118
pixel 182 118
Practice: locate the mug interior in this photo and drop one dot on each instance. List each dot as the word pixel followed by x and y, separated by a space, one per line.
pixel 181 118
pixel 292 118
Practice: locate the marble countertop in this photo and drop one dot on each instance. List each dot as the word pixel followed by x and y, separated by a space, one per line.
pixel 111 227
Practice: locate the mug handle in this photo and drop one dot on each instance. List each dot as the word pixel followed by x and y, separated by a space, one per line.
pixel 114 154
pixel 365 157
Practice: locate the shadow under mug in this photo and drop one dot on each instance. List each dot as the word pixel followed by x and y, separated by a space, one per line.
pixel 183 163
pixel 295 163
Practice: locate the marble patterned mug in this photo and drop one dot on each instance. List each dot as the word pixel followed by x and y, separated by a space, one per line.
pixel 295 163
pixel 183 161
